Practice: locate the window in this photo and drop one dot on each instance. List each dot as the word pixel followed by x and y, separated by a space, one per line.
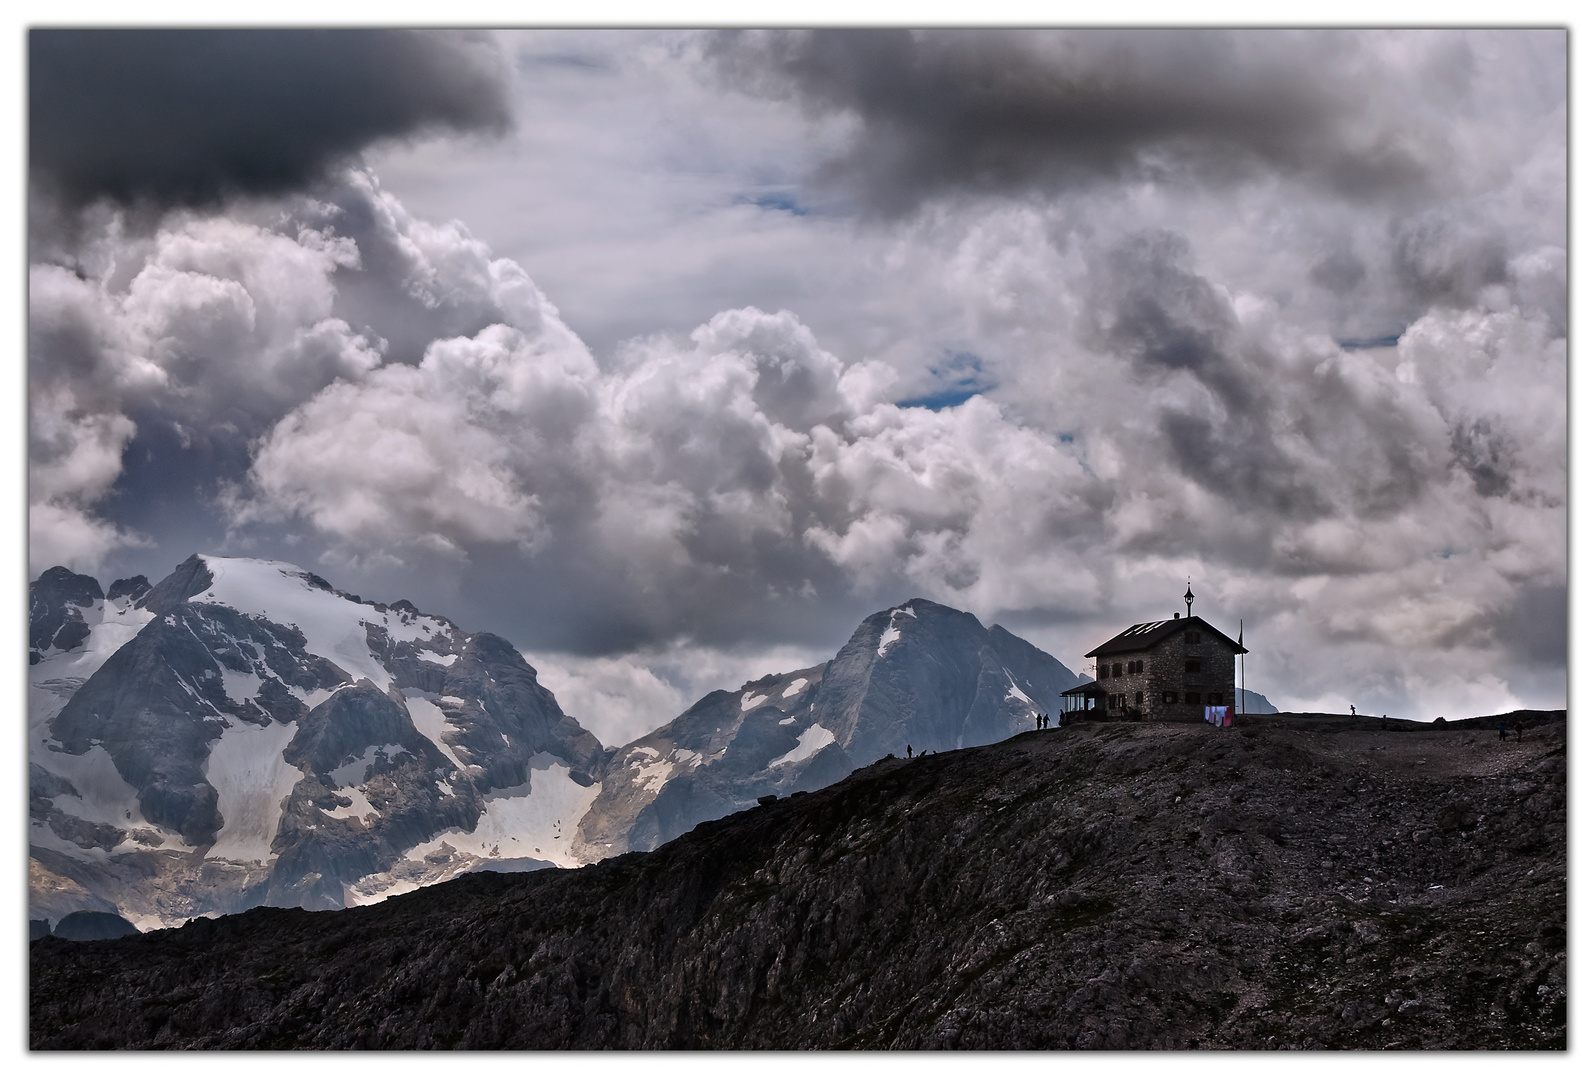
pixel 1116 671
pixel 1194 666
pixel 1170 697
pixel 1216 699
pixel 1133 668
pixel 1193 637
pixel 1138 698
pixel 1193 698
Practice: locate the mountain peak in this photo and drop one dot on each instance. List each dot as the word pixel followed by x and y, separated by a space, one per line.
pixel 920 674
pixel 249 734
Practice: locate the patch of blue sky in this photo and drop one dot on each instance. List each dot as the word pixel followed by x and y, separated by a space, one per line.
pixel 961 378
pixel 783 201
pixel 1354 344
pixel 942 399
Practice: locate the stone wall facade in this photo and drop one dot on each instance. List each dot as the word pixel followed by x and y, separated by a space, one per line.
pixel 1163 670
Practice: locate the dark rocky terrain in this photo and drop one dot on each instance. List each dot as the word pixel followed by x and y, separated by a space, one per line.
pixel 1288 883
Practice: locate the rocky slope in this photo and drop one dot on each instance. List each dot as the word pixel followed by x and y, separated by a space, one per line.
pixel 1288 883
pixel 243 733
pixel 920 675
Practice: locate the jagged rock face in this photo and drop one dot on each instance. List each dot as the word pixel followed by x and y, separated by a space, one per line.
pixel 1105 886
pixel 242 733
pixel 132 589
pixel 921 674
pixel 56 606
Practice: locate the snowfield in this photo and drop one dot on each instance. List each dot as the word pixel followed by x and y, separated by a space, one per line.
pixel 1016 694
pixel 430 721
pixel 650 775
pixel 536 820
pixel 334 628
pixel 54 679
pixel 358 806
pixel 252 781
pixel 811 742
pixel 888 636
pixel 354 772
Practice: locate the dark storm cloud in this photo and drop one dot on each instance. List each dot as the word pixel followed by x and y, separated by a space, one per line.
pixel 1157 311
pixel 1164 315
pixel 1281 441
pixel 190 117
pixel 1005 112
pixel 1340 272
pixel 1481 453
pixel 1439 259
pixel 1534 628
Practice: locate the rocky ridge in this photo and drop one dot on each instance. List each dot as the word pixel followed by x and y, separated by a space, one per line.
pixel 1288 883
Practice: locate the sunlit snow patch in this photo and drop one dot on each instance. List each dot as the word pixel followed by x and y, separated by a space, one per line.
pixel 753 700
pixel 796 688
pixel 810 743
pixel 359 806
pixel 240 686
pixel 354 772
pixel 441 659
pixel 252 780
pixel 536 820
pixel 430 721
pixel 1016 694
pixel 333 626
pixel 888 636
pixel 651 775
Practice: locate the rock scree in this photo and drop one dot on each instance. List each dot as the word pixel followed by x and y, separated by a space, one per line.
pixel 1100 886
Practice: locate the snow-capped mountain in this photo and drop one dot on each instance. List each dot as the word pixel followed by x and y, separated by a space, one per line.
pixel 243 733
pixel 920 675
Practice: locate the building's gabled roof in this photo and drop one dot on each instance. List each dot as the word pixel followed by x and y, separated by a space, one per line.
pixel 1146 635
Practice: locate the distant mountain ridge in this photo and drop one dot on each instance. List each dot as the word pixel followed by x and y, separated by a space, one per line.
pixel 243 733
pixel 920 675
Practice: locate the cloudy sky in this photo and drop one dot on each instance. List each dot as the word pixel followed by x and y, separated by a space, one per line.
pixel 671 355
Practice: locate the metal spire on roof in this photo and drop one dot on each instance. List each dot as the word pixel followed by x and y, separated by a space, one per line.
pixel 1189 598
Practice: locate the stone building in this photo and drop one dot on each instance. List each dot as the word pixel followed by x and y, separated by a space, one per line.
pixel 1168 670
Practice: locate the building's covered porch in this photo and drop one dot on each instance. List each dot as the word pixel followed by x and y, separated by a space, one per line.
pixel 1089 701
